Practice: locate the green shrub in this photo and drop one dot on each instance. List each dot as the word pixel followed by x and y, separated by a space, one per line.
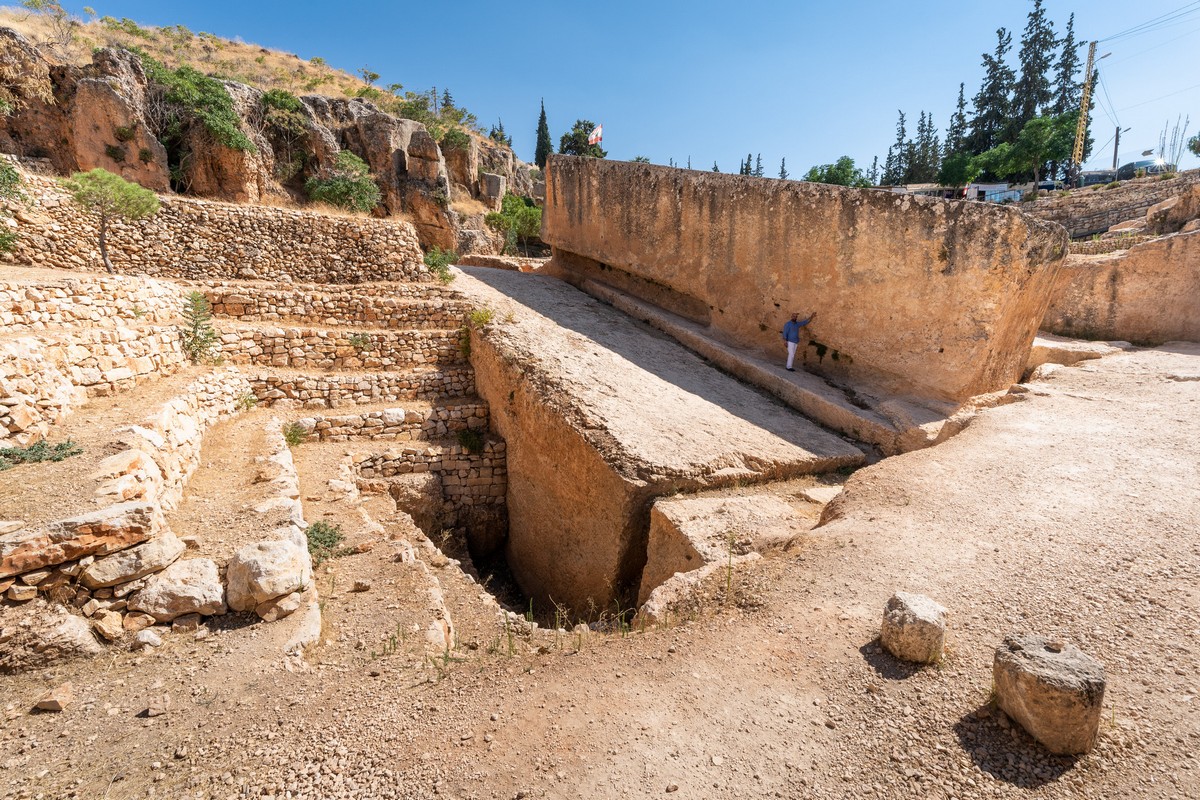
pixel 115 152
pixel 439 261
pixel 360 342
pixel 246 401
pixel 282 100
pixel 518 219
pixel 294 434
pixel 37 452
pixel 323 541
pixel 455 139
pixel 480 317
pixel 347 184
pixel 471 441
pixel 198 96
pixel 125 133
pixel 145 155
pixel 198 337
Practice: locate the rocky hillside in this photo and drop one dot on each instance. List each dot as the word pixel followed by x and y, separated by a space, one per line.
pixel 176 129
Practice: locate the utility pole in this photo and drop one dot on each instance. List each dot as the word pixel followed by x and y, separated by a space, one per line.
pixel 1081 126
pixel 1117 143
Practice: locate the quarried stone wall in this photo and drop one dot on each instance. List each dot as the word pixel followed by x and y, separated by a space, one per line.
pixel 341 349
pixel 926 297
pixel 1146 295
pixel 399 424
pixel 1097 208
pixel 86 301
pixel 200 240
pixel 334 390
pixel 350 308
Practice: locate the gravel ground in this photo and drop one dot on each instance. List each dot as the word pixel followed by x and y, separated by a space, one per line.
pixel 1072 513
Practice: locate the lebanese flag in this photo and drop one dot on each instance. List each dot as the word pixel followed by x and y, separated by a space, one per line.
pixel 597 135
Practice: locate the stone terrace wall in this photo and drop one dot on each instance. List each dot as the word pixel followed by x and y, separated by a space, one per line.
pixel 86 301
pixel 399 424
pixel 341 349
pixel 1097 208
pixel 200 240
pixel 334 390
pixel 473 481
pixel 934 298
pixel 44 377
pixel 343 308
pixel 1145 295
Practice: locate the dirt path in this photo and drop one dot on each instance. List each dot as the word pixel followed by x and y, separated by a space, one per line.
pixel 1071 513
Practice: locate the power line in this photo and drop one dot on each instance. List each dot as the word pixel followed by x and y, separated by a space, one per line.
pixel 1116 119
pixel 1157 23
pixel 1152 48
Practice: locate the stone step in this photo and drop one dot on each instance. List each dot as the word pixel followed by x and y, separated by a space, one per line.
pixel 337 308
pixel 894 426
pixel 339 348
pixel 347 389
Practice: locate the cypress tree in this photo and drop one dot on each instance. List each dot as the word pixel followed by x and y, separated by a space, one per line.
pixel 783 173
pixel 447 100
pixel 1067 90
pixel 992 103
pixel 874 174
pixel 956 132
pixel 758 167
pixel 544 146
pixel 1032 91
pixel 896 167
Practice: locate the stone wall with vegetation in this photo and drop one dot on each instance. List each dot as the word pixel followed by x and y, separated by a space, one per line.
pixel 926 297
pixel 320 348
pixel 470 480
pixel 1145 295
pixel 86 300
pixel 1097 208
pixel 203 240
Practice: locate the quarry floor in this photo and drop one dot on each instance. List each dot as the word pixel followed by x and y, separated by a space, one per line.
pixel 1073 512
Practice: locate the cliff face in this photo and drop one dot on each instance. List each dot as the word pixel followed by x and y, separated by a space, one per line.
pixel 109 114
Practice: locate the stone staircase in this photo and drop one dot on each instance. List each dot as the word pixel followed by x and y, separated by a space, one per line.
pixel 186 500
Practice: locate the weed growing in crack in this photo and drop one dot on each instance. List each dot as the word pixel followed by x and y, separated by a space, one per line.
pixel 480 317
pixel 360 342
pixel 471 441
pixel 294 434
pixel 323 541
pixel 246 401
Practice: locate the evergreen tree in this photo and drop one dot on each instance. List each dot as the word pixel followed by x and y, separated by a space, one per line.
pixel 1067 90
pixel 689 166
pixel 497 134
pixel 926 152
pixel 896 166
pixel 873 175
pixel 783 173
pixel 758 167
pixel 447 100
pixel 992 103
pixel 746 166
pixel 715 167
pixel 1032 91
pixel 575 141
pixel 956 132
pixel 544 146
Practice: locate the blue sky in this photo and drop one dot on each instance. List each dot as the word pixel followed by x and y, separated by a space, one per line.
pixel 809 81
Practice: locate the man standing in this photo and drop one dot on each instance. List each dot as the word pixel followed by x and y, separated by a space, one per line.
pixel 791 335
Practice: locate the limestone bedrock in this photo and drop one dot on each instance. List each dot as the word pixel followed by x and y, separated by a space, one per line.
pixel 938 299
pixel 601 415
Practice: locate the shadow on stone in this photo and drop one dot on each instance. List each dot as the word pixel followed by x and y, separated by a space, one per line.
pixel 885 664
pixel 999 747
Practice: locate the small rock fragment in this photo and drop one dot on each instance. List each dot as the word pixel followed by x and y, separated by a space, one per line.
pixel 361 585
pixel 159 705
pixel 109 625
pixel 57 698
pixel 146 638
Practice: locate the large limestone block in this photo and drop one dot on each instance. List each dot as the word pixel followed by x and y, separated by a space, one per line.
pixel 136 562
pixel 687 533
pixel 1172 214
pixel 939 299
pixel 96 533
pixel 186 587
pixel 263 571
pixel 914 628
pixel 1053 690
pixel 39 634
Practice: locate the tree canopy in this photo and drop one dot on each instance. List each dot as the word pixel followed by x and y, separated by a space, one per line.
pixel 840 173
pixel 110 197
pixel 575 141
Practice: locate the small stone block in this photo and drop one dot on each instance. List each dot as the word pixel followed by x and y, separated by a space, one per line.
pixel 1053 690
pixel 57 698
pixel 914 628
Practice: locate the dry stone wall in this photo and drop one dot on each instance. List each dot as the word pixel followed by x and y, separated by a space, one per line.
pixel 86 301
pixel 254 304
pixel 341 349
pixel 438 422
pixel 471 482
pixel 1096 209
pixel 44 377
pixel 334 390
pixel 202 240
pixel 937 299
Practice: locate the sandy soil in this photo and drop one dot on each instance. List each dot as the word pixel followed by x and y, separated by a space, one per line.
pixel 1071 513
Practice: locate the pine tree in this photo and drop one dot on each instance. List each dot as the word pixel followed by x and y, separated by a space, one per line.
pixel 689 166
pixel 926 152
pixel 956 132
pixel 1032 91
pixel 992 103
pixel 873 175
pixel 758 167
pixel 447 100
pixel 783 173
pixel 746 170
pixel 896 167
pixel 544 145
pixel 715 167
